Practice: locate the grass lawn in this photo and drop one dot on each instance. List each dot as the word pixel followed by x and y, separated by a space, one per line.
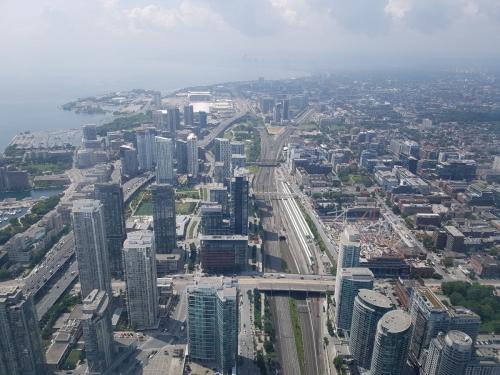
pixel 184 208
pixel 308 126
pixel 72 359
pixel 297 332
pixel 144 209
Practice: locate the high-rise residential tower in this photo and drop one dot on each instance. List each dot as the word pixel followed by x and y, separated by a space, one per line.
pixel 448 354
pixel 173 120
pixel 128 161
pixel 391 344
pixel 369 307
pixel 181 151
pixel 223 154
pixel 97 331
pixel 111 197
pixel 212 309
pixel 188 115
pixel 89 132
pixel 192 155
pixel 164 224
pixel 349 248
pixel 165 160
pixel 139 259
pixel 239 202
pixel 91 246
pixel 146 154
pixel 348 283
pixel 21 349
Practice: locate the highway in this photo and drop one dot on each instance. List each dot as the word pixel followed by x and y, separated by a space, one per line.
pixel 220 128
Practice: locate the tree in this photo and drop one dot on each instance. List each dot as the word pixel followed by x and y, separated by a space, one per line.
pixel 448 262
pixel 337 362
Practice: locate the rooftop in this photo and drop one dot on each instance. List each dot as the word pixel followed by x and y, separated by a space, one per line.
pixel 395 321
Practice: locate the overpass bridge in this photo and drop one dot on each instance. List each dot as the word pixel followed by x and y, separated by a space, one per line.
pixel 134 185
pixel 264 163
pixel 206 142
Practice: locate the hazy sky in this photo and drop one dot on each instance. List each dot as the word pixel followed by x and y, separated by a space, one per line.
pixel 163 44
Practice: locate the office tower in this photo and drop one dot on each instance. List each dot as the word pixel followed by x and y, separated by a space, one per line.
pixel 448 354
pixel 173 120
pixel 224 254
pixel 349 248
pixel 369 307
pixel 146 155
pixel 219 175
pixel 212 316
pixel 181 151
pixel 21 349
pixel 165 160
pixel 218 193
pixel 160 118
pixel 266 104
pixel 285 110
pixel 192 155
pixel 237 148
pixel 278 112
pixel 239 202
pixel 203 119
pixel 97 331
pixel 391 344
pixel 111 197
pixel 90 246
pixel 348 283
pixel 128 161
pixel 157 99
pixel 188 115
pixel 89 132
pixel 212 217
pixel 139 259
pixel 164 224
pixel 429 317
pixel 223 154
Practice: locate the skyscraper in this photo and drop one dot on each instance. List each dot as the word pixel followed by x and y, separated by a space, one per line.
pixel 160 118
pixel 165 160
pixel 348 283
pixel 111 197
pixel 448 354
pixel 181 151
pixel 203 119
pixel 21 349
pixel 369 307
pixel 223 154
pixel 97 331
pixel 192 155
pixel 128 161
pixel 391 344
pixel 91 246
pixel 212 219
pixel 188 115
pixel 223 254
pixel 429 317
pixel 89 132
pixel 146 155
pixel 163 196
pixel 139 257
pixel 212 310
pixel 239 202
pixel 285 110
pixel 173 120
pixel 349 248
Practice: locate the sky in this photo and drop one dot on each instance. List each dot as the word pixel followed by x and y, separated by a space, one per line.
pixel 91 45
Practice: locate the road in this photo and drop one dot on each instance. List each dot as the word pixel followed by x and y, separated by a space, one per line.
pixel 220 128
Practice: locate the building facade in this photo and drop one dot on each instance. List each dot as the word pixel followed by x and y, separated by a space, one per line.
pixel 139 259
pixel 165 160
pixel 239 202
pixel 224 254
pixel 164 224
pixel 192 155
pixel 91 246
